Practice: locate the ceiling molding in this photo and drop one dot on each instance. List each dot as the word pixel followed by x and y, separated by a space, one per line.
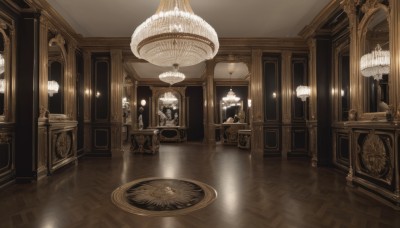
pixel 318 21
pixel 55 18
pixel 262 43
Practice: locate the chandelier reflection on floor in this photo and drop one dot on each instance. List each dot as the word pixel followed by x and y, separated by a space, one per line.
pixel 173 76
pixel 376 63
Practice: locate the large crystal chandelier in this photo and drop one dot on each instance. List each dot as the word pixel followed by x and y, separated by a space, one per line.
pixel 173 76
pixel 376 63
pixel 174 35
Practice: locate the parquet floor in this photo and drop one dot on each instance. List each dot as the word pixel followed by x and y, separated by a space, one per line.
pixel 251 193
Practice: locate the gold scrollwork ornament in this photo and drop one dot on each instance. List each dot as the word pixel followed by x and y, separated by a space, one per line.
pixel 63 145
pixel 373 156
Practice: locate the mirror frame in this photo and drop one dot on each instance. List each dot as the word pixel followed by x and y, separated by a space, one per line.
pixel 60 42
pixel 8 80
pixel 362 32
pixel 179 92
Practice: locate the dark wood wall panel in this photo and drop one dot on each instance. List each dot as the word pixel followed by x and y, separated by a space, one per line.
pixel 341 149
pixel 324 100
pixel 7 161
pixel 101 127
pixel 272 105
pixel 194 113
pixel 27 95
pixel 299 77
pixel 101 89
pixel 299 142
pixel 80 93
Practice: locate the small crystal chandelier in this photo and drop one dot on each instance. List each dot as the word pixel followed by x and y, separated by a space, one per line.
pixel 303 92
pixel 169 99
pixel 174 35
pixel 230 97
pixel 376 63
pixel 52 87
pixel 173 76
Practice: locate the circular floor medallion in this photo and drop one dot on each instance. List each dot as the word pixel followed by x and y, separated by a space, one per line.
pixel 162 196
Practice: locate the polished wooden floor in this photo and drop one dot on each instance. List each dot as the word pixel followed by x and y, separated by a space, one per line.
pixel 251 193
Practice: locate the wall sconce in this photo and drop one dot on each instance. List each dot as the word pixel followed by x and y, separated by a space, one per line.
pixel 303 92
pixel 52 87
pixel 98 94
pixel 249 103
pixel 143 102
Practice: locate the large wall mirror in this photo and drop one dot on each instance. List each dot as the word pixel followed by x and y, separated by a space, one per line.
pixel 169 106
pixel 2 73
pixel 375 35
pixel 56 73
pixel 5 74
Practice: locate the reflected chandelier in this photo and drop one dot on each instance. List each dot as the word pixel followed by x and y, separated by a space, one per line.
pixel 173 76
pixel 52 87
pixel 230 97
pixel 2 62
pixel 169 99
pixel 174 35
pixel 376 63
pixel 303 92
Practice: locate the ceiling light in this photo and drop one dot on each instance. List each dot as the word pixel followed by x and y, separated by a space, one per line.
pixel 303 92
pixel 376 63
pixel 173 76
pixel 174 35
pixel 52 87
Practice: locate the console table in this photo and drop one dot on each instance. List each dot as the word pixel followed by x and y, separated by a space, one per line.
pixel 244 139
pixel 229 132
pixel 145 141
pixel 172 134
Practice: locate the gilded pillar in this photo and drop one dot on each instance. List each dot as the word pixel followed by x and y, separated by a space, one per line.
pixel 71 82
pixel 286 95
pixel 394 33
pixel 349 7
pixel 116 99
pixel 257 110
pixel 210 134
pixel 312 108
pixel 205 111
pixel 134 107
pixel 43 66
pixel 87 100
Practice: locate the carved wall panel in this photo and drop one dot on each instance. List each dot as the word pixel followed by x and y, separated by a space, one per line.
pixel 375 155
pixel 62 144
pixel 341 149
pixel 7 160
